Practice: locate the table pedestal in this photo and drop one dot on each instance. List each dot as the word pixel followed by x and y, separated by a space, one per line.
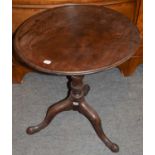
pixel 76 101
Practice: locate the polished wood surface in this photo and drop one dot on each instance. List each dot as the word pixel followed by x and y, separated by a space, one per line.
pixel 48 2
pixel 23 9
pixel 76 101
pixel 76 40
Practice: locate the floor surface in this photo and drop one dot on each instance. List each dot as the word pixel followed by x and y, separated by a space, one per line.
pixel 118 101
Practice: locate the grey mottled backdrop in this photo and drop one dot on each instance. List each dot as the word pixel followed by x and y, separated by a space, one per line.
pixel 117 99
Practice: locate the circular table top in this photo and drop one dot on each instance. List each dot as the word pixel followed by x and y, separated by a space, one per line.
pixel 76 39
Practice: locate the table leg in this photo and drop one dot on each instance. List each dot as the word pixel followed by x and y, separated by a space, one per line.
pixel 95 120
pixel 86 89
pixel 78 91
pixel 52 111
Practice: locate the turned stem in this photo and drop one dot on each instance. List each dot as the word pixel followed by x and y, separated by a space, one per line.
pixel 77 89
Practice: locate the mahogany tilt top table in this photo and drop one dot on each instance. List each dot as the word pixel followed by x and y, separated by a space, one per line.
pixel 75 40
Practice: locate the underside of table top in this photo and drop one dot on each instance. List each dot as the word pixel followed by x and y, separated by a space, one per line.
pixel 76 39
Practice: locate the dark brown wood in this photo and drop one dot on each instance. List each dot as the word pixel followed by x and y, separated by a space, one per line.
pixel 76 34
pixel 53 110
pixel 95 120
pixel 76 40
pixel 76 102
pixel 22 9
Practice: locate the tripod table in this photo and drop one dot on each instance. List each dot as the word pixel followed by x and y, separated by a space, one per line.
pixel 75 40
